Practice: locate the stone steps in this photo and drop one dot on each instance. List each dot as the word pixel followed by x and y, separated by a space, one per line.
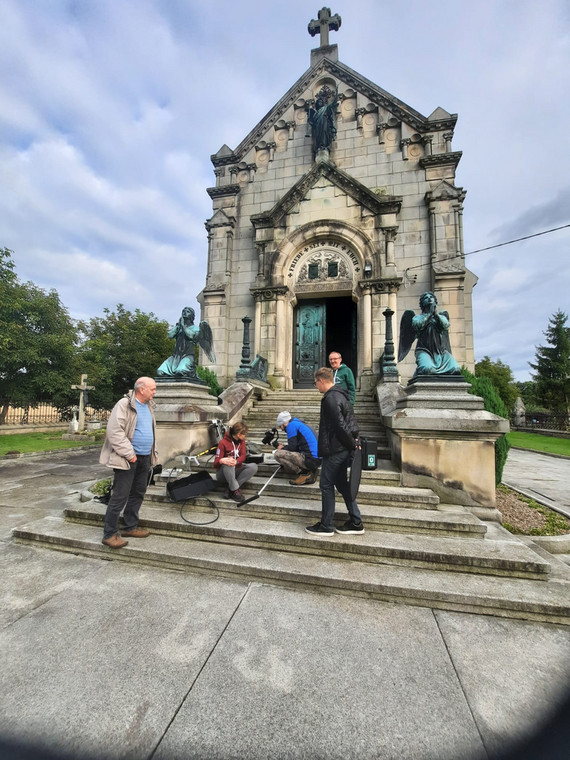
pixel 466 554
pixel 369 493
pixel 415 550
pixel 441 523
pixel 339 570
pixel 305 404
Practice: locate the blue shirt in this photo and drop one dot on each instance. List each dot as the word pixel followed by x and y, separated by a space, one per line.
pixel 143 437
pixel 294 428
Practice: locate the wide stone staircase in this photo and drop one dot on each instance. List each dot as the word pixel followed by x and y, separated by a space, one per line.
pixel 415 550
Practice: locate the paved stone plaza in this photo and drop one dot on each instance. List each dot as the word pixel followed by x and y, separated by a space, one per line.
pixel 117 660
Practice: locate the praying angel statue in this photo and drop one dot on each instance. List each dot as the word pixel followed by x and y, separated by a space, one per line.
pixel 182 363
pixel 433 350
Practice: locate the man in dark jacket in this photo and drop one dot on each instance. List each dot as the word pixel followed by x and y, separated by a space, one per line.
pixel 299 454
pixel 338 431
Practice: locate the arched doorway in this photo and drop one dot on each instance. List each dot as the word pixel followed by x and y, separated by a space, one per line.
pixel 322 326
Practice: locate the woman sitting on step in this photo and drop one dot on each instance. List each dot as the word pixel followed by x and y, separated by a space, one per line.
pixel 230 464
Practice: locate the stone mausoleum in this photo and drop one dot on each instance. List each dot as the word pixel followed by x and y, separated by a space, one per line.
pixel 313 245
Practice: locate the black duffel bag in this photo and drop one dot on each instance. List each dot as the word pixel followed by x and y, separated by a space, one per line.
pixel 191 486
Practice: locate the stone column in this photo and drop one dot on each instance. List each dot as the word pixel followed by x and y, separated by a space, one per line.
pixel 366 328
pixel 280 337
pixel 390 236
pixel 381 128
pixel 257 328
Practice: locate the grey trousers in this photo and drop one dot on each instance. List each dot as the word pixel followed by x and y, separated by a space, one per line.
pixel 234 477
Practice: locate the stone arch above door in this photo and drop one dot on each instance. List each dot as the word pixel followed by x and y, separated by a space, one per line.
pixel 322 245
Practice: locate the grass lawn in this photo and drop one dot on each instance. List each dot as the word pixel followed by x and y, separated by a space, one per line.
pixel 536 442
pixel 24 443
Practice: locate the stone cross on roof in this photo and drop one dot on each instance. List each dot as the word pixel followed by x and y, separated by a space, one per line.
pixel 325 22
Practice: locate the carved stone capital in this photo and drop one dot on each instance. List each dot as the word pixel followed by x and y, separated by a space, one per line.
pixel 385 286
pixel 269 294
pixel 390 234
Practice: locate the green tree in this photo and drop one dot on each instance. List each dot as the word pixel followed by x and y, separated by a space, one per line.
pixel 502 378
pixel 37 342
pixel 482 386
pixel 527 391
pixel 120 347
pixel 553 365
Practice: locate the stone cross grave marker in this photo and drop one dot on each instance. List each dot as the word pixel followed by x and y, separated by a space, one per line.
pixel 83 387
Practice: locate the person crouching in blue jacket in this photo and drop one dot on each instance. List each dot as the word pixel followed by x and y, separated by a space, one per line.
pixel 299 455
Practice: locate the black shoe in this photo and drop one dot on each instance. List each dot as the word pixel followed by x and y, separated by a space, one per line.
pixel 319 530
pixel 237 496
pixel 350 529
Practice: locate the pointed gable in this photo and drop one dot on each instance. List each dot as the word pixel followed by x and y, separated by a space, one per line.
pixel 351 84
pixel 361 195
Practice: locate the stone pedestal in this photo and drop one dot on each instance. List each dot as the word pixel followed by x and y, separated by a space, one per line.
pixel 442 438
pixel 183 418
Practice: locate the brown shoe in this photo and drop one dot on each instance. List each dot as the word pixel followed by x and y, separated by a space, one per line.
pixel 302 479
pixel 136 533
pixel 115 542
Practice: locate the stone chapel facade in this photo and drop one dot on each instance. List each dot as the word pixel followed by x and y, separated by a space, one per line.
pixel 314 247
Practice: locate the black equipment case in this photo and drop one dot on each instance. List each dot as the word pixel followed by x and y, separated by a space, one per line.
pixel 369 452
pixel 191 486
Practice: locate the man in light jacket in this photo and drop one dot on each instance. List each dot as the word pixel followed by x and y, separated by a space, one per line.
pixel 130 449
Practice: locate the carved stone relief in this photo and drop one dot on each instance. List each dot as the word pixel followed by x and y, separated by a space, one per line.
pixel 328 264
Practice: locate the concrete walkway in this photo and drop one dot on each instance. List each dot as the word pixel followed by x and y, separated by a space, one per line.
pixel 543 477
pixel 104 659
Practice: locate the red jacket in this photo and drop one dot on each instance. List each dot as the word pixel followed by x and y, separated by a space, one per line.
pixel 227 447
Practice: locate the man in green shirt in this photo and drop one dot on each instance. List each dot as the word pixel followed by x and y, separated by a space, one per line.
pixel 342 375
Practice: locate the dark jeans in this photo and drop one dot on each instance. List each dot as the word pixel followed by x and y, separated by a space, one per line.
pixel 334 475
pixel 129 488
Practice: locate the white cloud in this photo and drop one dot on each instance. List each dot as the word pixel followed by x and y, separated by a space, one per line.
pixel 109 112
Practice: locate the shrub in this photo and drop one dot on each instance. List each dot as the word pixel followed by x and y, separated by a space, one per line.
pixel 211 379
pixel 482 386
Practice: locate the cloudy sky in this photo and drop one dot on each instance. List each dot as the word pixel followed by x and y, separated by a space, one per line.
pixel 110 110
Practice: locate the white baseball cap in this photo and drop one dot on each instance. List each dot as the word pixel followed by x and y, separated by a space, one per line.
pixel 283 418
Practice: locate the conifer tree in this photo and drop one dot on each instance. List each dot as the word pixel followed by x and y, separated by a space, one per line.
pixel 553 365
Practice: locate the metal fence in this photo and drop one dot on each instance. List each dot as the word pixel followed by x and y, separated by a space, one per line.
pixel 46 414
pixel 545 421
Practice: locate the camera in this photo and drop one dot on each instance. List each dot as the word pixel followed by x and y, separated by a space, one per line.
pixel 271 437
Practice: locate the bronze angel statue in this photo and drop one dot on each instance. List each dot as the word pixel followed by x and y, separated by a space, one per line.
pixel 433 351
pixel 182 363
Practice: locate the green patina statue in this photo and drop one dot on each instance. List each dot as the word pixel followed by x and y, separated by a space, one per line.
pixel 322 119
pixel 433 350
pixel 182 363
